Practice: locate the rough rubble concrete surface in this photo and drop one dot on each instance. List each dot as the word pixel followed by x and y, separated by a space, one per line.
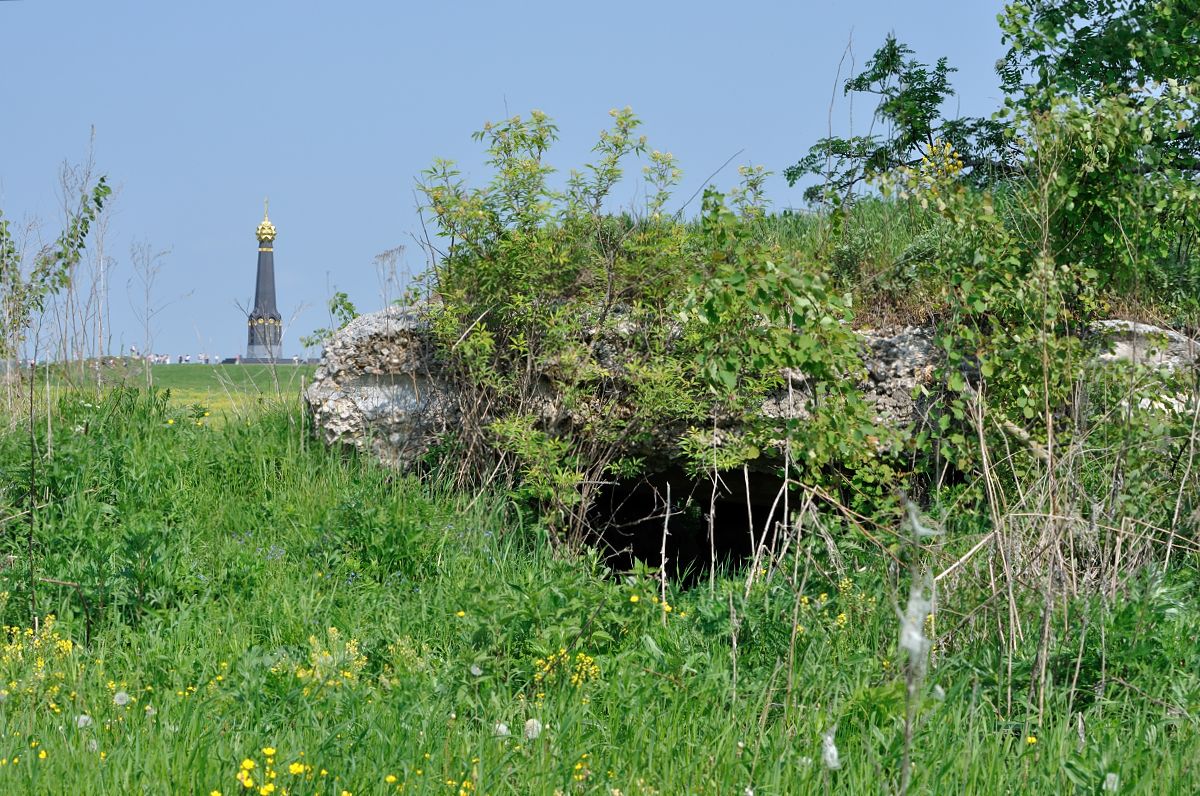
pixel 897 364
pixel 382 388
pixel 379 388
pixel 1148 345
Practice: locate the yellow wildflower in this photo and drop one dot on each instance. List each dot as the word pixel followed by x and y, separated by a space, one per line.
pixel 633 598
pixel 390 778
pixel 460 614
pixel 1031 739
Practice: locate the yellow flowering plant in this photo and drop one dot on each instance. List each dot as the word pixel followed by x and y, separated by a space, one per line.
pixel 37 664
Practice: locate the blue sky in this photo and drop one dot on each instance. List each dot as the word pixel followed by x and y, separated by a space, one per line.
pixel 332 109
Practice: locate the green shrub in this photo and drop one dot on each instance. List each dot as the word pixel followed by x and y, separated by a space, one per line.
pixel 588 335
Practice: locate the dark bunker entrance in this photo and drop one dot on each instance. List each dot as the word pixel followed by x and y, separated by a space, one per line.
pixel 629 517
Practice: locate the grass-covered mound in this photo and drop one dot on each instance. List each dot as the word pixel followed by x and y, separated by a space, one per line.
pixel 252 611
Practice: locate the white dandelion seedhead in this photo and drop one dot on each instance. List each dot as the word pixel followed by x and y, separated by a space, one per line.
pixel 121 699
pixel 920 530
pixel 476 671
pixel 829 750
pixel 912 625
pixel 533 728
pixel 501 730
pixel 83 721
pixel 1112 782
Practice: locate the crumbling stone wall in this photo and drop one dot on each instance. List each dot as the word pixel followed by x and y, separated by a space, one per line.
pixel 383 387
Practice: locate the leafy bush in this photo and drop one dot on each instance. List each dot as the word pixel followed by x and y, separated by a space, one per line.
pixel 591 338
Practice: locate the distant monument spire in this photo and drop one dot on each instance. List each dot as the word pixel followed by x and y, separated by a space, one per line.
pixel 266 330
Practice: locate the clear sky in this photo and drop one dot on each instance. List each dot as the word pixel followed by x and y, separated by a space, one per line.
pixel 332 109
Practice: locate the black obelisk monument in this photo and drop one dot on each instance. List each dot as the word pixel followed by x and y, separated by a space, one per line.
pixel 266 330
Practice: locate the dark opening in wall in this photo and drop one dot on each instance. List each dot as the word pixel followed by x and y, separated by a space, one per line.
pixel 629 518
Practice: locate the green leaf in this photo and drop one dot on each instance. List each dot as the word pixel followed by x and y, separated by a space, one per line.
pixel 652 647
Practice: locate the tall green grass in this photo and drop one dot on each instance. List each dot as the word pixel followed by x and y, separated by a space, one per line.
pixel 259 604
pixel 893 256
pixel 884 253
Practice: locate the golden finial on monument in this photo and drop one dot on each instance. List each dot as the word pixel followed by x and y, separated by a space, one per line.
pixel 266 230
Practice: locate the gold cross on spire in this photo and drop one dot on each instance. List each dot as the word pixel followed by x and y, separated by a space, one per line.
pixel 266 230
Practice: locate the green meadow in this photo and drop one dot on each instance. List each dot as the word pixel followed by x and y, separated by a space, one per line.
pixel 232 389
pixel 223 390
pixel 232 608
